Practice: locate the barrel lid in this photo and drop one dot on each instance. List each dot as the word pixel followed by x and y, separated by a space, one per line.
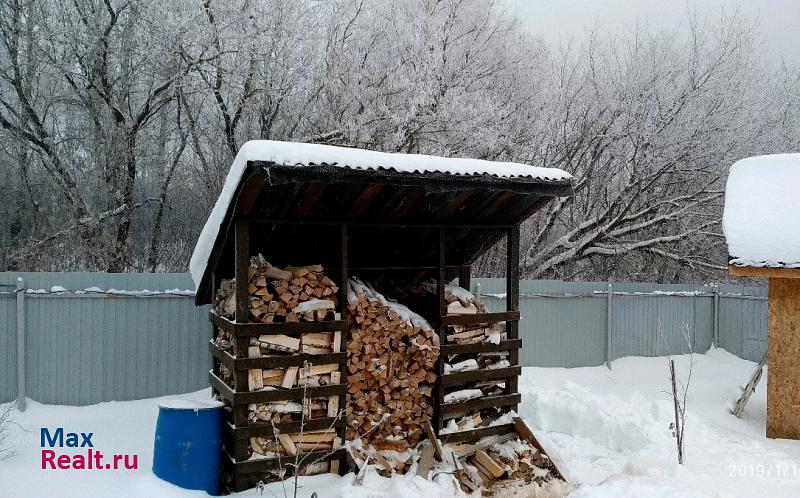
pixel 189 404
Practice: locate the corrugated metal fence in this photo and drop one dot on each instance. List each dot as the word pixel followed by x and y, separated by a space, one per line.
pixel 571 324
pixel 103 344
pixel 98 346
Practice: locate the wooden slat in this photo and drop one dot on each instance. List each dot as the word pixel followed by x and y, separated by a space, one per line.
pixel 220 354
pixel 409 201
pixel 447 211
pixel 479 403
pixel 476 434
pixel 363 200
pixel 503 316
pixel 292 329
pixel 497 203
pixel 456 379
pixel 296 393
pixel 310 197
pixel 266 464
pixel 224 389
pixel 244 398
pixel 274 361
pixel 242 250
pixel 481 347
pixel 268 429
pixel 294 360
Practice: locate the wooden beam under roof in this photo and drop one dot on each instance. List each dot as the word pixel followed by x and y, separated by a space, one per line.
pixel 447 211
pixel 408 203
pixel 311 195
pixel 363 200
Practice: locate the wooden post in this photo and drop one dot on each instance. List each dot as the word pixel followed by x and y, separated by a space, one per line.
pixel 242 313
pixel 21 396
pixel 242 250
pixel 512 301
pixel 465 277
pixel 343 276
pixel 783 344
pixel 609 325
pixel 716 316
pixel 441 329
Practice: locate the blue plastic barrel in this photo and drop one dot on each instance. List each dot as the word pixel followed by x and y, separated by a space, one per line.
pixel 188 444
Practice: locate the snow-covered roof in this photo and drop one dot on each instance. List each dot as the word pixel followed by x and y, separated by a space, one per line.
pixel 303 154
pixel 762 211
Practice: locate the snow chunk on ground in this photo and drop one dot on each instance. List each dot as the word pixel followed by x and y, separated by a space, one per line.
pixel 762 203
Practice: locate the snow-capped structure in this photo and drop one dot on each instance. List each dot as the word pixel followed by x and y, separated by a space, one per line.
pixel 762 226
pixel 762 212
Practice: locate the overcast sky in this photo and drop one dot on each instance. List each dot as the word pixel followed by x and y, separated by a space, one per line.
pixel 554 20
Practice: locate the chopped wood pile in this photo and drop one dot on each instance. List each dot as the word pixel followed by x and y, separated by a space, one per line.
pixel 487 464
pixel 498 460
pixel 391 358
pixel 460 301
pixel 291 294
pixel 291 447
pixel 291 444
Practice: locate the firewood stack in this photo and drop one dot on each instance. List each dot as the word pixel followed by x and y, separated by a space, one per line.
pixel 291 444
pixel 290 295
pixel 391 358
pixel 293 294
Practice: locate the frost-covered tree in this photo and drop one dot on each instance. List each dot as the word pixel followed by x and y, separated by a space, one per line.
pixel 119 120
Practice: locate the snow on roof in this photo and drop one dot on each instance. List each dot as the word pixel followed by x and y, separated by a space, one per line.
pixel 762 211
pixel 303 154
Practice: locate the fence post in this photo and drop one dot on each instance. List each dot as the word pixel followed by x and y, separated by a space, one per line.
pixel 609 324
pixel 20 344
pixel 716 316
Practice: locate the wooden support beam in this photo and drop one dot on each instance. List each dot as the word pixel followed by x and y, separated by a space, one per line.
pixel 542 202
pixel 363 200
pixel 249 192
pixel 497 203
pixel 407 204
pixel 512 302
pixel 450 209
pixel 465 277
pixel 441 329
pixel 241 268
pixel 783 346
pixel 310 197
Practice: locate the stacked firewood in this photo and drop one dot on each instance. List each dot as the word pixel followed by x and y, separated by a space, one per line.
pixel 480 332
pixel 460 301
pixel 291 447
pixel 391 358
pixel 497 460
pixel 291 294
pixel 291 444
pixel 308 343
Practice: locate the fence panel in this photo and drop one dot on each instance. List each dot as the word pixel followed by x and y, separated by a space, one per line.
pixel 89 347
pixel 8 336
pixel 566 323
pixel 84 348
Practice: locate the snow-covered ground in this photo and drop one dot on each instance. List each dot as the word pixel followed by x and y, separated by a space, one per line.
pixel 607 429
